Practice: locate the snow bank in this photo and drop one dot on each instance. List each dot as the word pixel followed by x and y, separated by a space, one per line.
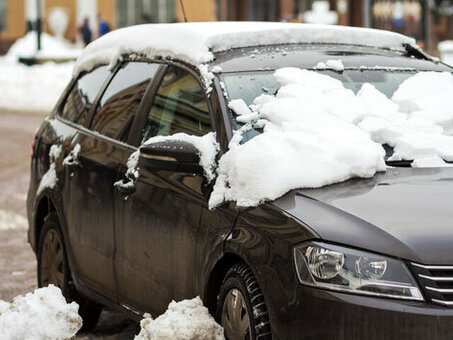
pixel 51 47
pixel 316 132
pixel 195 42
pixel 185 320
pixel 34 88
pixel 43 314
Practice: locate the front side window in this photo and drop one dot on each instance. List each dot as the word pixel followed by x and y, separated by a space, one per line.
pixel 83 94
pixel 179 106
pixel 120 101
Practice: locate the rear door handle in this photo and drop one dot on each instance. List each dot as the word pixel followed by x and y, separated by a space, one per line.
pixel 125 187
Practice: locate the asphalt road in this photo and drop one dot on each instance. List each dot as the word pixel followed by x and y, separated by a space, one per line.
pixel 17 260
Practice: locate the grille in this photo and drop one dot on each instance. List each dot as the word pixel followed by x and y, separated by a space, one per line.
pixel 436 282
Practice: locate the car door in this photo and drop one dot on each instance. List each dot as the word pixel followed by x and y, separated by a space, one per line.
pixel 93 171
pixel 158 229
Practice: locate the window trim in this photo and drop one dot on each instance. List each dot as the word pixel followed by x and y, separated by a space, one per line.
pixel 150 97
pixel 60 105
pixel 119 65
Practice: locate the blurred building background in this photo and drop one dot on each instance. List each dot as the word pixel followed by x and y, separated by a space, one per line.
pixel 429 21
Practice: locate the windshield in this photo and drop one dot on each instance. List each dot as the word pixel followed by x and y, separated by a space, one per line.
pixel 412 103
pixel 248 86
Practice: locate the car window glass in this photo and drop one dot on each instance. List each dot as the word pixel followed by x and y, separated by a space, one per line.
pixel 179 106
pixel 120 101
pixel 83 94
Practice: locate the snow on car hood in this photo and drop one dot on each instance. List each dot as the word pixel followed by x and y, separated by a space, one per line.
pixel 316 132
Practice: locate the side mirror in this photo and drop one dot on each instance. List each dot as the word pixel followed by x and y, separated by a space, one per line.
pixel 173 154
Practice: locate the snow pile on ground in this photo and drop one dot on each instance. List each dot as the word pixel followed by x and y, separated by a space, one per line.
pixel 195 43
pixel 34 88
pixel 43 314
pixel 316 132
pixel 51 47
pixel 185 320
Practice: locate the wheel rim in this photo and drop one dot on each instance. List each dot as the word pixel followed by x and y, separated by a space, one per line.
pixel 52 261
pixel 235 318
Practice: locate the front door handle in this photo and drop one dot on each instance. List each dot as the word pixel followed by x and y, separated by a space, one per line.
pixel 125 187
pixel 72 165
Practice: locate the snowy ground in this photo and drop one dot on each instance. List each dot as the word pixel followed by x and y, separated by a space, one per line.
pixel 34 88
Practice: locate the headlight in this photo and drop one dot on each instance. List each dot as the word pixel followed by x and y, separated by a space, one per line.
pixel 342 269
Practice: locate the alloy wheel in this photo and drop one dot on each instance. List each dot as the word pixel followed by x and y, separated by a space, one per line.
pixel 235 318
pixel 52 261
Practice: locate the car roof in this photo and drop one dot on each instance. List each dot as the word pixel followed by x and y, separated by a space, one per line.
pixel 198 43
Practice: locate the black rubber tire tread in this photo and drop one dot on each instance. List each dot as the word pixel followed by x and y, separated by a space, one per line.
pixel 88 310
pixel 240 276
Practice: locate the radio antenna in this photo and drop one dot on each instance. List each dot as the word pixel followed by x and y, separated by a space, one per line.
pixel 183 10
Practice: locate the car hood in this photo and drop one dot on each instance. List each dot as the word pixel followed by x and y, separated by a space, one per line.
pixel 404 212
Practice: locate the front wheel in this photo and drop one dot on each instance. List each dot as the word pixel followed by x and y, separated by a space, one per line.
pixel 53 268
pixel 241 309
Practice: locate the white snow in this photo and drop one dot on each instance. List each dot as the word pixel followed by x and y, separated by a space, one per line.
pixel 185 320
pixel 34 88
pixel 132 166
pixel 73 155
pixel 49 179
pixel 336 65
pixel 10 220
pixel 196 43
pixel 206 145
pixel 430 162
pixel 51 47
pixel 41 315
pixel 446 51
pixel 317 132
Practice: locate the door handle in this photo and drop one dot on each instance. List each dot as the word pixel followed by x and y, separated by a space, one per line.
pixel 72 165
pixel 125 188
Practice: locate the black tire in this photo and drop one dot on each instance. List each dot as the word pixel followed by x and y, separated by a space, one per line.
pixel 240 278
pixel 52 253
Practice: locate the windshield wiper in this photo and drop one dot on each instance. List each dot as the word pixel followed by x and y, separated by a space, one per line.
pixel 401 163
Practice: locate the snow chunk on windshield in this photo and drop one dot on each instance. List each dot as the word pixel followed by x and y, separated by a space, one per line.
pixel 43 314
pixel 316 132
pixel 336 65
pixel 185 320
pixel 307 142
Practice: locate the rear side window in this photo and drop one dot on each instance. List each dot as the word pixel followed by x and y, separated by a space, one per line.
pixel 83 94
pixel 120 101
pixel 179 106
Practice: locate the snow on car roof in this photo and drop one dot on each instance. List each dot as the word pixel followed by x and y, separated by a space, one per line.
pixel 196 43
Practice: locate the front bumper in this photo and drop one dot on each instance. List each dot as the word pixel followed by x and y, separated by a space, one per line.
pixel 320 314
